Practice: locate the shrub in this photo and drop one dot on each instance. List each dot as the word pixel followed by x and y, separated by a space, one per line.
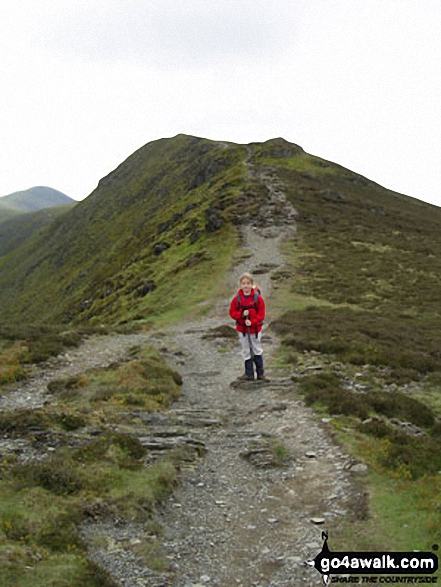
pixel 58 474
pixel 408 348
pixel 328 390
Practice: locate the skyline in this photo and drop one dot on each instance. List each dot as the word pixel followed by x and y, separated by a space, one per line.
pixel 85 84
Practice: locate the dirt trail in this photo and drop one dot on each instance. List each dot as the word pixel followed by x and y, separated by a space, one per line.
pixel 243 514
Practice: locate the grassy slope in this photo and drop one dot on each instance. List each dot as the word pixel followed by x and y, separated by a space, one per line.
pixel 20 227
pixel 361 298
pixel 362 301
pixel 7 213
pixel 94 472
pixel 96 263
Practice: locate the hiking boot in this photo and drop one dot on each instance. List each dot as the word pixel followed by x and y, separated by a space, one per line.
pixel 262 378
pixel 246 378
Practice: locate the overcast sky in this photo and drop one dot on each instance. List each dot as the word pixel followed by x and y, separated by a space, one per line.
pixel 84 83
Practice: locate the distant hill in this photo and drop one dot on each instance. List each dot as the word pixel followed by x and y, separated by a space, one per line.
pixel 33 199
pixel 163 227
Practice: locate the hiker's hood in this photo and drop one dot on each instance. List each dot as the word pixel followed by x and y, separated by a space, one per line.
pixel 242 294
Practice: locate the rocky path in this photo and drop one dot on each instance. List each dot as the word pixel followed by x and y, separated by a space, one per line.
pixel 96 351
pixel 247 514
pixel 252 509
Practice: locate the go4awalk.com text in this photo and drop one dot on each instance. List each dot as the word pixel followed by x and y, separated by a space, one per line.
pixel 387 568
pixel 392 580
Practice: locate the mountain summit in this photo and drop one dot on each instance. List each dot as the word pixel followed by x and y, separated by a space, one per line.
pixel 159 233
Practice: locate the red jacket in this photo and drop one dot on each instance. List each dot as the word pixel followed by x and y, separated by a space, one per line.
pixel 256 314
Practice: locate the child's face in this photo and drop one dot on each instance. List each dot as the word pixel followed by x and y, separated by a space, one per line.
pixel 246 286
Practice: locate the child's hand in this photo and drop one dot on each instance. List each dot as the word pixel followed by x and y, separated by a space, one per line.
pixel 246 313
pixel 248 322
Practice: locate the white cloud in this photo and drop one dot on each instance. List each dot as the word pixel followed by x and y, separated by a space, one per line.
pixel 159 34
pixel 85 83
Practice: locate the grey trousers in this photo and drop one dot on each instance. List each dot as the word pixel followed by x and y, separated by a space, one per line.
pixel 255 343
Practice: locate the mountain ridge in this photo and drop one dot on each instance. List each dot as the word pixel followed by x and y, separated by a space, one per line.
pixel 168 211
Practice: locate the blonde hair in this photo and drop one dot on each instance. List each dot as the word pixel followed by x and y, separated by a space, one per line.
pixel 246 276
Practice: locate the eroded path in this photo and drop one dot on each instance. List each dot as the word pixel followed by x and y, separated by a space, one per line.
pixel 244 516
pixel 252 509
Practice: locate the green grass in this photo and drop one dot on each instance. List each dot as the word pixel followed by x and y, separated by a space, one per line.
pixel 43 501
pixel 303 163
pixel 21 345
pixel 145 382
pixel 401 517
pixel 62 570
pixel 99 263
pixel 16 230
pixel 360 297
pixel 182 292
pixel 281 452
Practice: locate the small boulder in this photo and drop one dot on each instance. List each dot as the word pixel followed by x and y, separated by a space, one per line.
pixel 145 288
pixel 160 248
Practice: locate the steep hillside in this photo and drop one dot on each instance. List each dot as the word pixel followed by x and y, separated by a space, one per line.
pixel 358 309
pixel 358 243
pixel 365 275
pixel 17 228
pixel 161 230
pixel 153 234
pixel 35 198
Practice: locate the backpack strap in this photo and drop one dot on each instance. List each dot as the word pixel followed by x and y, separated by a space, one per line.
pixel 256 298
pixel 255 304
pixel 239 304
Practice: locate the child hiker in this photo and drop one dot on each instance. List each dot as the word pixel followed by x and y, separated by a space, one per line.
pixel 248 309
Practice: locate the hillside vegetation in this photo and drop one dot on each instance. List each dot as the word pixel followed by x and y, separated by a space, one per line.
pixel 19 227
pixel 7 213
pixel 139 246
pixel 99 469
pixel 359 315
pixel 357 305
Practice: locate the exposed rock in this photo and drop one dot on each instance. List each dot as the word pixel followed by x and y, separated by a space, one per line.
pixel 379 211
pixel 223 331
pixel 308 175
pixel 194 260
pixel 195 236
pixel 191 207
pixel 160 248
pixel 409 428
pixel 332 195
pixel 214 221
pixel 358 468
pixel 145 288
pixel 264 268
